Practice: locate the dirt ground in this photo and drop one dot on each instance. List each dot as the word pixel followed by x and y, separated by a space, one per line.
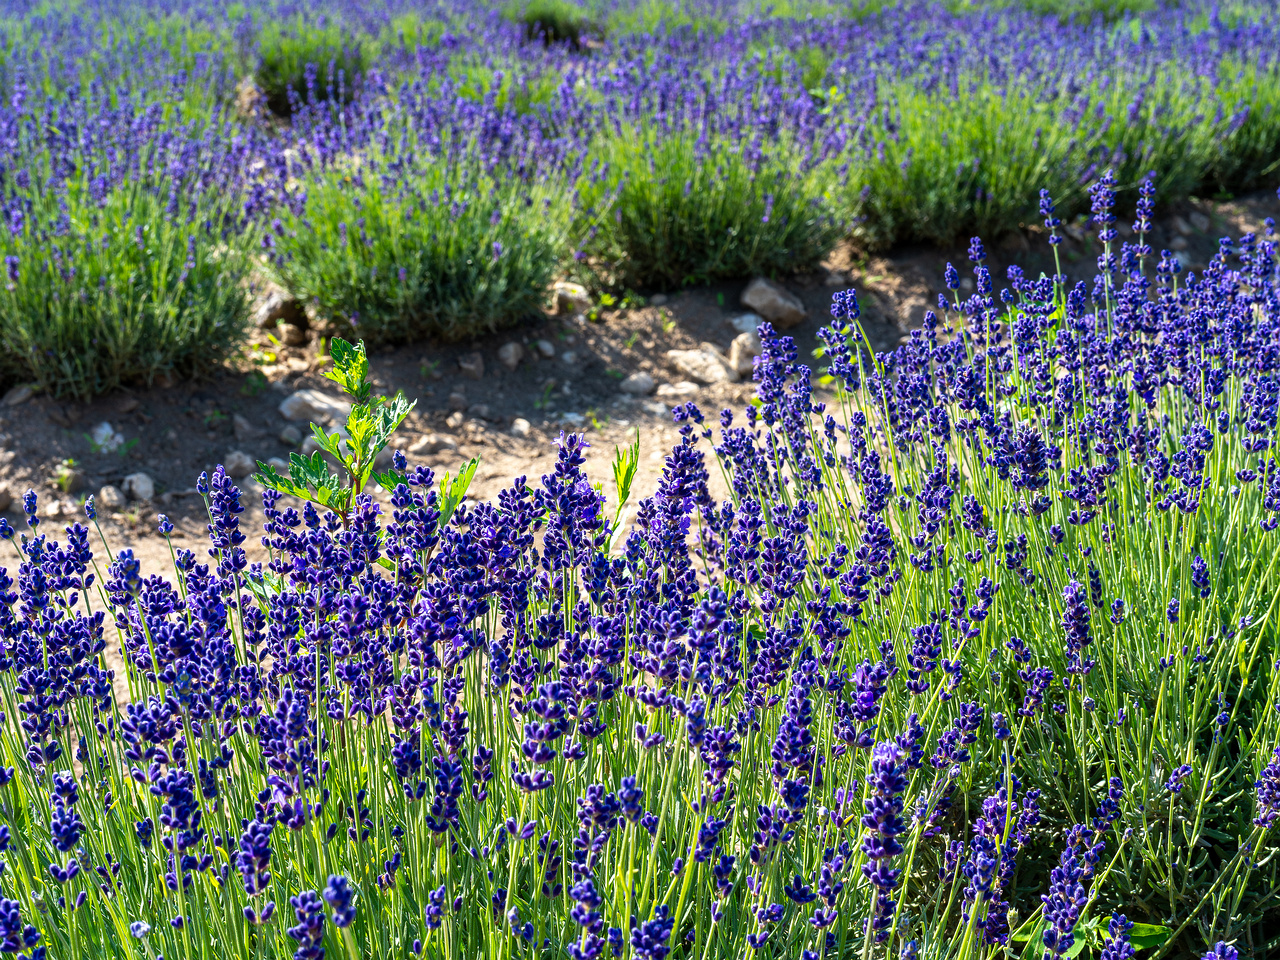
pixel 175 431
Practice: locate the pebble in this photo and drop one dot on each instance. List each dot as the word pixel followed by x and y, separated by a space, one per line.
pixel 743 351
pixel 568 358
pixel 314 405
pixel 472 365
pixel 111 497
pixel 774 302
pixel 139 486
pixel 238 464
pixel 572 419
pixel 639 384
pixel 432 443
pixel 1182 226
pixel 19 394
pixel 520 427
pixel 6 499
pixel 546 348
pixel 1179 243
pixel 682 389
pixel 571 298
pixel 278 306
pixel 291 334
pixel 458 400
pixel 454 420
pixel 746 322
pixel 658 300
pixel 243 429
pixel 706 364
pixel 510 354
pixel 105 438
pixel 1199 220
pixel 480 410
pixel 291 436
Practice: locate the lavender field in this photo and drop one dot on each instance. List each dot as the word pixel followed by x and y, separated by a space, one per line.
pixel 976 659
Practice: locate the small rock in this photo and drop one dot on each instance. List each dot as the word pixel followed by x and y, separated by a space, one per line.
pixel 291 436
pixel 1074 230
pixel 458 400
pixel 105 439
pixel 282 385
pixel 743 351
pixel 314 405
pixel 510 354
pixel 279 307
pixel 966 285
pixel 546 348
pixel 480 410
pixel 572 419
pixel 521 427
pixel 454 420
pixel 774 302
pixel 639 384
pixel 1179 243
pixel 243 429
pixel 139 486
pixel 54 509
pixel 571 298
pixel 472 365
pixel 238 465
pixel 291 334
pixel 657 407
pixel 111 497
pixel 746 322
pixel 280 465
pixel 1199 220
pixel 1182 226
pixel 127 405
pixel 658 300
pixel 706 365
pixel 682 389
pixel 6 499
pixel 568 358
pixel 19 394
pixel 432 443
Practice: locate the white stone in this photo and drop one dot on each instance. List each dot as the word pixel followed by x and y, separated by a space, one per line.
pixel 572 419
pixel 1182 226
pixel 774 302
pixel 472 365
pixel 571 298
pixel 746 322
pixel 743 351
pixel 139 486
pixel 1199 220
pixel 238 465
pixel 291 335
pixel 19 394
pixel 521 427
pixel 546 348
pixel 510 355
pixel 111 497
pixel 658 300
pixel 314 405
pixel 244 430
pixel 639 384
pixel 291 436
pixel 105 438
pixel 454 420
pixel 674 390
pixel 704 365
pixel 657 407
pixel 568 358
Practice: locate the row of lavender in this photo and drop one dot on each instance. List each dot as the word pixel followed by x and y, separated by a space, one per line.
pixel 974 655
pixel 440 165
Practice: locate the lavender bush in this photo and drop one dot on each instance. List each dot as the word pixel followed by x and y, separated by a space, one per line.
pixel 976 652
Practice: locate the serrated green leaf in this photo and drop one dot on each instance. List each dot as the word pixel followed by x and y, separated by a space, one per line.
pixel 388 480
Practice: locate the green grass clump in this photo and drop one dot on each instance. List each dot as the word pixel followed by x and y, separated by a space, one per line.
pixel 449 250
pixel 120 292
pixel 555 21
pixel 685 213
pixel 287 51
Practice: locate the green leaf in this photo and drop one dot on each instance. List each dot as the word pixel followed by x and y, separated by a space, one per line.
pixel 625 461
pixel 452 490
pixel 1145 935
pixel 350 368
pixel 388 480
